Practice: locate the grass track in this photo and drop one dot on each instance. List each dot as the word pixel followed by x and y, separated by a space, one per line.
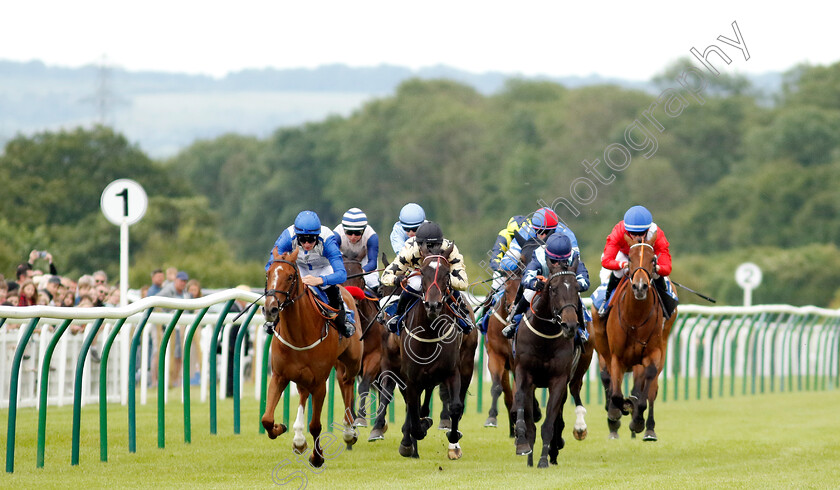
pixel 779 440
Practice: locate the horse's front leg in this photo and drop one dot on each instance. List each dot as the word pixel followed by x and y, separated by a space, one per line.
pixel 617 401
pixel 408 445
pixel 496 367
pixel 299 440
pixel 523 406
pixel 445 417
pixel 347 394
pixel 552 428
pixel 456 411
pixel 316 459
pixel 653 391
pixel 276 386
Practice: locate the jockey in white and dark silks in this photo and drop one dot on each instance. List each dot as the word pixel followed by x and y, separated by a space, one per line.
pixel 319 261
pixel 356 237
pixel 411 217
pixel 638 222
pixel 429 237
pixel 558 248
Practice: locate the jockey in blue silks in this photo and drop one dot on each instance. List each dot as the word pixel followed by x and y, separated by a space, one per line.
pixel 356 237
pixel 319 261
pixel 411 217
pixel 558 248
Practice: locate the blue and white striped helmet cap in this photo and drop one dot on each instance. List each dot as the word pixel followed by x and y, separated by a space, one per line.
pixel 637 219
pixel 354 219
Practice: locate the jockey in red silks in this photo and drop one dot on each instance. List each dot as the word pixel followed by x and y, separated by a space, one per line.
pixel 638 222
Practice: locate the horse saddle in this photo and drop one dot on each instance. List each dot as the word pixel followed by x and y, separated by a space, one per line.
pixel 321 302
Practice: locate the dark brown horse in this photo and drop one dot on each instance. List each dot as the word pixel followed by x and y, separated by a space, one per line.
pixel 545 357
pixel 372 341
pixel 430 354
pixel 500 351
pixel 635 338
pixel 304 350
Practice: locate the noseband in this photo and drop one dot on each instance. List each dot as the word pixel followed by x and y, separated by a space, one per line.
pixel 556 318
pixel 288 301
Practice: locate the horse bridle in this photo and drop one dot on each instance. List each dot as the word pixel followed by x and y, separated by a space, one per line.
pixel 288 301
pixel 434 283
pixel 637 269
pixel 556 318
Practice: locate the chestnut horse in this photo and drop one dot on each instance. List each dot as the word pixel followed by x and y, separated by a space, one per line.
pixel 431 354
pixel 500 352
pixel 304 350
pixel 546 357
pixel 635 338
pixel 372 359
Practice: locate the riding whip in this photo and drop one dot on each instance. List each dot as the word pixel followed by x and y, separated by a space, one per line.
pixel 707 298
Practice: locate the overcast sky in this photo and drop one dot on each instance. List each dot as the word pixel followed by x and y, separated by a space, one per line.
pixel 633 40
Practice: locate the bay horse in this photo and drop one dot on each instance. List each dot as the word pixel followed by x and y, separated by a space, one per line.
pixel 634 338
pixel 368 307
pixel 431 354
pixel 546 357
pixel 500 351
pixel 304 350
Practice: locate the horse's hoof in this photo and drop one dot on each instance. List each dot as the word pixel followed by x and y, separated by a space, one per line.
pixel 637 427
pixel 315 461
pixel 530 460
pixel 491 422
pixel 299 449
pixel 351 438
pixel 580 434
pixel 454 451
pixel 523 448
pixel 613 435
pixel 543 463
pixel 376 435
pixel 449 434
pixel 360 422
pixel 274 430
pixel 406 451
pixel 445 424
pixel 614 414
pixel 553 460
pixel 632 435
pixel 426 423
pixel 650 436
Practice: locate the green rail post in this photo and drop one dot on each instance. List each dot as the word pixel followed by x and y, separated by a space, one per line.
pixel 480 402
pixel 162 377
pixel 780 326
pixel 725 331
pixel 733 354
pixel 186 370
pixel 45 384
pixel 77 391
pixel 714 334
pixel 672 342
pixel 807 346
pixel 13 391
pixel 799 358
pixel 214 342
pixel 393 406
pixel 132 395
pixel 752 340
pixel 103 391
pixel 785 341
pixel 287 395
pixel 688 354
pixel 237 363
pixel 331 400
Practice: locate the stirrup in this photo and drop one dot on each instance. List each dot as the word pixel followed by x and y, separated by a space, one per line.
pixel 349 330
pixel 393 324
pixel 509 331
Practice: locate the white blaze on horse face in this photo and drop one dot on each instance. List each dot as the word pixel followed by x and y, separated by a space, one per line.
pixel 434 265
pixel 299 438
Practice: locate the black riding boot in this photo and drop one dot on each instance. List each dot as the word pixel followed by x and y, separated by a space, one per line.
pixel 603 312
pixel 668 302
pixel 340 322
pixel 463 312
pixel 513 318
pixel 268 326
pixel 393 322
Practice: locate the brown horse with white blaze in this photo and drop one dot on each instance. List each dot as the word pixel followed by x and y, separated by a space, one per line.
pixel 635 338
pixel 304 350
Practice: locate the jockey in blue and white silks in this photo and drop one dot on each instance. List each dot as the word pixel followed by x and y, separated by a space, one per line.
pixel 319 260
pixel 356 237
pixel 411 217
pixel 558 248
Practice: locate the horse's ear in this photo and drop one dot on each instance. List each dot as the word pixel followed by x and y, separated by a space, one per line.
pixel 574 265
pixel 385 261
pixel 628 239
pixel 652 238
pixel 448 250
pixel 294 255
pixel 275 253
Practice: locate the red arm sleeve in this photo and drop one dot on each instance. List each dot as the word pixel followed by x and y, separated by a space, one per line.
pixel 663 260
pixel 611 249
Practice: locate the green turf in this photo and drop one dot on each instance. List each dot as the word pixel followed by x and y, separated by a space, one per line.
pixel 771 440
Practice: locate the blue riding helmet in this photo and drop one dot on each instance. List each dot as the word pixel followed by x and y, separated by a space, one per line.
pixel 307 223
pixel 412 215
pixel 637 219
pixel 558 247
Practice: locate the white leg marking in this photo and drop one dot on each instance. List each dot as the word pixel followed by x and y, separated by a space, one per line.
pixel 299 438
pixel 580 423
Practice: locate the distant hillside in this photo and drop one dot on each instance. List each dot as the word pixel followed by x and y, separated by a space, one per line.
pixel 165 112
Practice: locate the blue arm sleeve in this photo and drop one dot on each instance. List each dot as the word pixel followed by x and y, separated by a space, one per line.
pixel 398 238
pixel 283 244
pixel 333 254
pixel 582 272
pixel 572 238
pixel 529 277
pixel 372 253
pixel 337 239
